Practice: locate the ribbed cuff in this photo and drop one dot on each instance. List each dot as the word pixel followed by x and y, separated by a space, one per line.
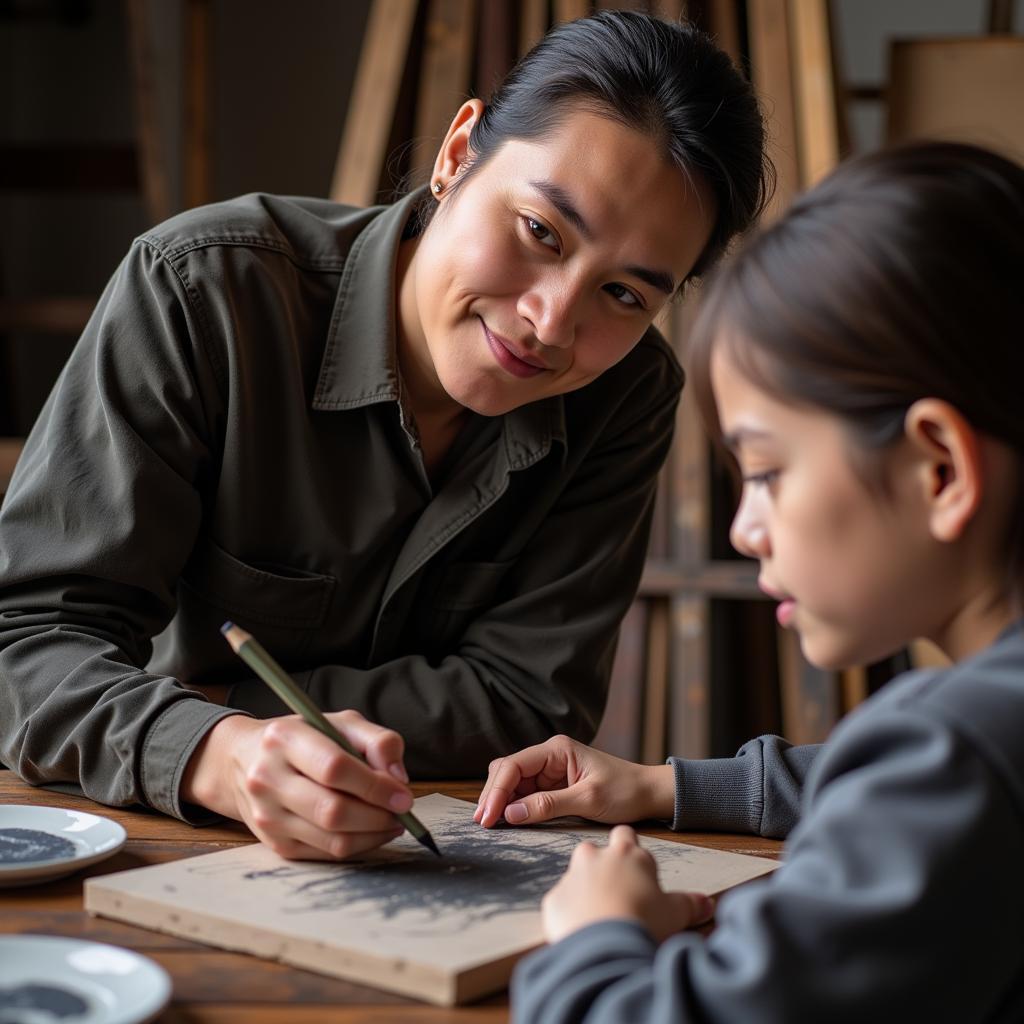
pixel 718 794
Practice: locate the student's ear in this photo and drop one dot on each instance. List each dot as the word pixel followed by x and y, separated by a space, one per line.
pixel 948 465
pixel 455 153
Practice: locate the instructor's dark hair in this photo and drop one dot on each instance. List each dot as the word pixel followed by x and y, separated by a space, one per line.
pixel 665 79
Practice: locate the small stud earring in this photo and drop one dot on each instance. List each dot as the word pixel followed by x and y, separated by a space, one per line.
pixel 438 188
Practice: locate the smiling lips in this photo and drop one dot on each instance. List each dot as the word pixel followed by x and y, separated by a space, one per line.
pixel 516 361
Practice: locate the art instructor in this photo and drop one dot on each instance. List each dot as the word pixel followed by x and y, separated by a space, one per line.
pixel 413 449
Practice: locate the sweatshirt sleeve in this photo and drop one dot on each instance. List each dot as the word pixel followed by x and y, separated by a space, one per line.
pixel 758 791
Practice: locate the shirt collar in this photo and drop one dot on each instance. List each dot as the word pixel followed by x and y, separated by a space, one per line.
pixel 360 363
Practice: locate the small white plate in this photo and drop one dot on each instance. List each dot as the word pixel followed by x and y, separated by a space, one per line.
pixel 44 978
pixel 40 843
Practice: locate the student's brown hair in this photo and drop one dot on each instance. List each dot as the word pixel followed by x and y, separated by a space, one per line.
pixel 899 277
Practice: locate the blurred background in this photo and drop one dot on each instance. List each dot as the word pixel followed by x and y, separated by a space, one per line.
pixel 117 113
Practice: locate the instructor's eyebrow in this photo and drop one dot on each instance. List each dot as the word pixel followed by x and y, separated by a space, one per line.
pixel 561 201
pixel 660 279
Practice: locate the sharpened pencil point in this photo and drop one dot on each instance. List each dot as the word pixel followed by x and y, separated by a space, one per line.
pixel 227 625
pixel 429 843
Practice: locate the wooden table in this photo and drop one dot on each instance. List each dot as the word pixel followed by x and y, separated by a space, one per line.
pixel 212 986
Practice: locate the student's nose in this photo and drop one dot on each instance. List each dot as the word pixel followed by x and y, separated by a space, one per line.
pixel 748 533
pixel 552 309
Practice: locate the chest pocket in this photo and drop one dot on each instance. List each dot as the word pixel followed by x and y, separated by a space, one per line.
pixel 282 607
pixel 268 595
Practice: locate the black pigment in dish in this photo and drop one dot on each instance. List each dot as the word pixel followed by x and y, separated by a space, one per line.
pixel 39 1002
pixel 29 846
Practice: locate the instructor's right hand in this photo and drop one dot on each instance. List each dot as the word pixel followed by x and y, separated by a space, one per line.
pixel 299 792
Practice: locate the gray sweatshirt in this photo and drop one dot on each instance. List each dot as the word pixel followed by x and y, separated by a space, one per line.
pixel 900 897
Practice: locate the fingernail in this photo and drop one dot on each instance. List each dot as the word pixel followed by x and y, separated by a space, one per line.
pixel 398 771
pixel 400 802
pixel 516 813
pixel 705 907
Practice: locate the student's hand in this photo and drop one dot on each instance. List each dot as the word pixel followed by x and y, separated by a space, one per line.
pixel 564 777
pixel 619 880
pixel 299 792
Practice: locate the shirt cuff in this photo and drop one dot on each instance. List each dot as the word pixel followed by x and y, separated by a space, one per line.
pixel 722 794
pixel 169 743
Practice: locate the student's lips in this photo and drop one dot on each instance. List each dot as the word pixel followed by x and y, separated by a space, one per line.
pixel 519 364
pixel 786 606
pixel 784 612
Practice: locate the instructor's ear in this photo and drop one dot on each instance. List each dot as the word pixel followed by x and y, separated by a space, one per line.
pixel 948 464
pixel 455 153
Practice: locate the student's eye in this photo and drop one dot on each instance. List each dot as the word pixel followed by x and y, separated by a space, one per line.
pixel 541 232
pixel 621 293
pixel 763 479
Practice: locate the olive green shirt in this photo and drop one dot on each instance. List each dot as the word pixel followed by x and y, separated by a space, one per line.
pixel 229 440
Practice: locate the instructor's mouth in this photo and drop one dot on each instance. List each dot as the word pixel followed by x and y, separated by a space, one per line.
pixel 510 357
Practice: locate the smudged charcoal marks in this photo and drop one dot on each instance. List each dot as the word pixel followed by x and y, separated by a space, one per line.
pixel 484 873
pixel 29 845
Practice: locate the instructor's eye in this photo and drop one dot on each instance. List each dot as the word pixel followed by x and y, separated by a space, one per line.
pixel 623 294
pixel 541 232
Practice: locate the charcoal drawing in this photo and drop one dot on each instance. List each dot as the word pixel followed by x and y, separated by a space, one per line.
pixel 481 874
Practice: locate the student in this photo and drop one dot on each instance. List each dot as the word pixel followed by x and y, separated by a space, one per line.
pixel 862 360
pixel 414 455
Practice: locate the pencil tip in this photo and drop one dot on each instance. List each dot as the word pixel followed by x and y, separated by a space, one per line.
pixel 227 625
pixel 427 840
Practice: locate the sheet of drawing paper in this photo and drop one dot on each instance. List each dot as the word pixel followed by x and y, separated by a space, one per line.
pixel 445 930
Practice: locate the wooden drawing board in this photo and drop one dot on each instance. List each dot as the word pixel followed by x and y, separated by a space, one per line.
pixel 445 930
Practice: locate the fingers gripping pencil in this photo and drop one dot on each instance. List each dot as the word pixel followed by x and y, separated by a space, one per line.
pixel 260 661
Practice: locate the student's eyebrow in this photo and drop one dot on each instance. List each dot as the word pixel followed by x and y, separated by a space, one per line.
pixel 561 201
pixel 735 438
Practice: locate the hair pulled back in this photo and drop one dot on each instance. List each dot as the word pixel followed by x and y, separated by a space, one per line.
pixel 665 79
pixel 897 278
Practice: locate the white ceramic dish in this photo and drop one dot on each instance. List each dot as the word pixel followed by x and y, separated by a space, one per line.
pixel 41 843
pixel 44 978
